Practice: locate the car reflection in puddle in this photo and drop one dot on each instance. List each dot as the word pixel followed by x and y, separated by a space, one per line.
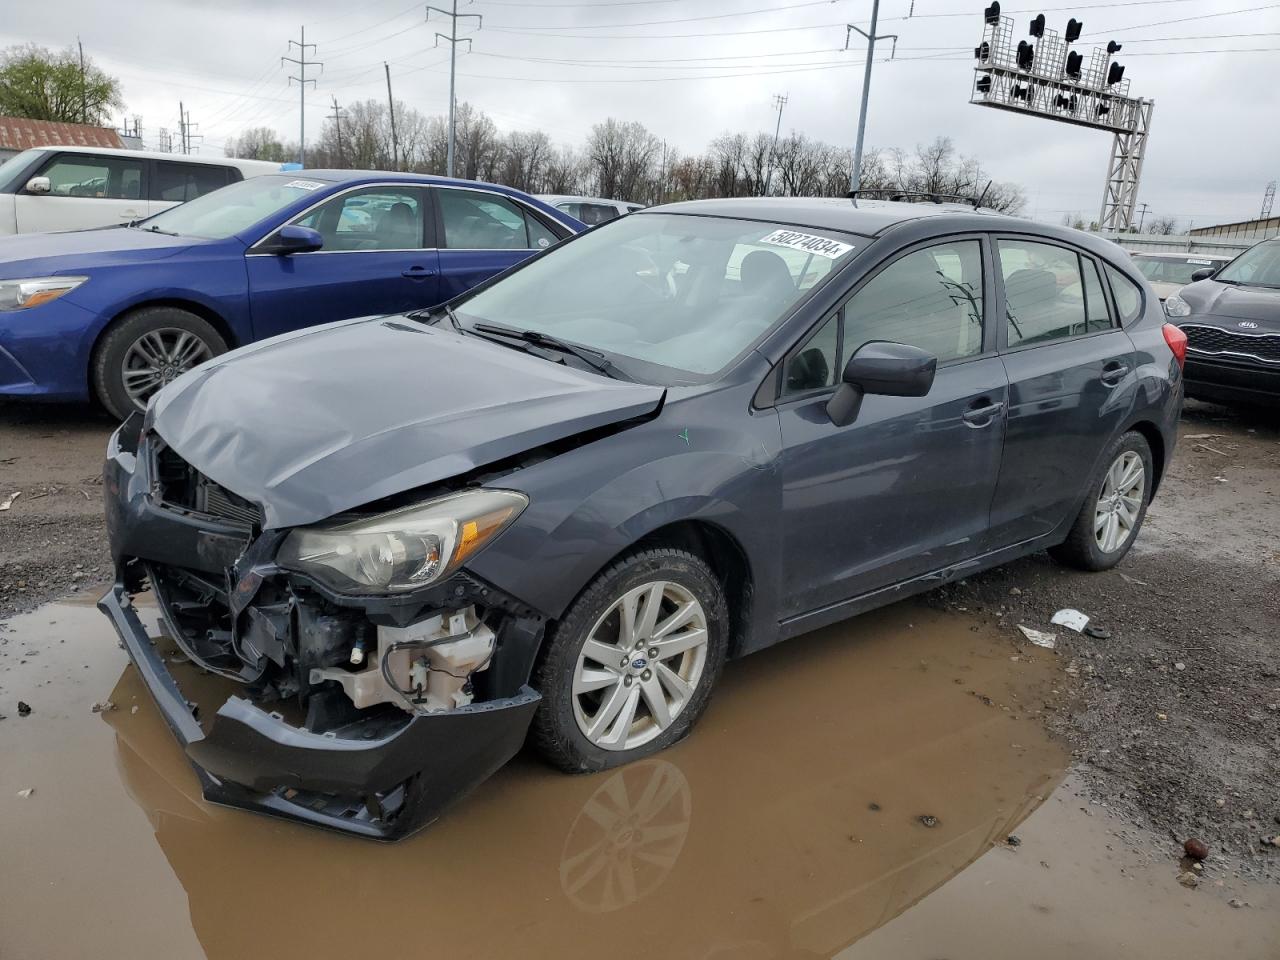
pixel 788 825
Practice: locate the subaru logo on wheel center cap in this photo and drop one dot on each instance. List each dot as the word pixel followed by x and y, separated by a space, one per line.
pixel 639 663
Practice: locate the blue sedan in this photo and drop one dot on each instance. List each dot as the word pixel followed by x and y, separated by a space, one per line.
pixel 118 312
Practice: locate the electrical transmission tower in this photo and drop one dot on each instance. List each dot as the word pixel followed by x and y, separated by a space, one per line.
pixel 337 117
pixel 1267 199
pixel 855 181
pixel 185 126
pixel 779 101
pixel 453 40
pixel 301 62
pixel 165 139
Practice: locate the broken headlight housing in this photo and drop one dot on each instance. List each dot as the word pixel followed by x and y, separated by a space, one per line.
pixel 404 549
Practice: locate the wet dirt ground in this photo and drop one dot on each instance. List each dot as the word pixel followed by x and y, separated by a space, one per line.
pixel 788 825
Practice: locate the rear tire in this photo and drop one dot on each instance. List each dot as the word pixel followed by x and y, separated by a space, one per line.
pixel 613 693
pixel 1113 509
pixel 144 350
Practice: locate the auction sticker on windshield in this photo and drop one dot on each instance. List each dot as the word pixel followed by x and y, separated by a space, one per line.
pixel 831 249
pixel 305 184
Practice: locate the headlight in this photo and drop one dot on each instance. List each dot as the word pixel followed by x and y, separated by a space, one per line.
pixel 21 294
pixel 404 549
pixel 1175 306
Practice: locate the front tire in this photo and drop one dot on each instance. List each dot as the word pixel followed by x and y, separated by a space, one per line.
pixel 631 666
pixel 1113 509
pixel 147 349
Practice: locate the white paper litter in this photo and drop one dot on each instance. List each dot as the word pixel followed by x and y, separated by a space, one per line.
pixel 1071 619
pixel 1039 637
pixel 7 502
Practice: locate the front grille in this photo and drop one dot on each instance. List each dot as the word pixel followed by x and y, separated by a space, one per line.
pixel 181 486
pixel 1213 341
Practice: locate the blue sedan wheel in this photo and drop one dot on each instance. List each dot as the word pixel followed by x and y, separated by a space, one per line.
pixel 146 350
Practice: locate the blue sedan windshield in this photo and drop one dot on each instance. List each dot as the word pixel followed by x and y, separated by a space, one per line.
pixel 225 212
pixel 685 293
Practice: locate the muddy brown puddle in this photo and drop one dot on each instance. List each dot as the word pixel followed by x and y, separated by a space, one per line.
pixel 788 825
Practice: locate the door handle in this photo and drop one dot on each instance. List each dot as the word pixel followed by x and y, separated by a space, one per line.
pixel 418 273
pixel 982 413
pixel 1114 372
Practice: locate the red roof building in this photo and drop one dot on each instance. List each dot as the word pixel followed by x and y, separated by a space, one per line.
pixel 17 134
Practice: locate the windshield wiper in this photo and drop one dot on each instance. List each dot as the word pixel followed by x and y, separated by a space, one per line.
pixel 592 358
pixel 154 229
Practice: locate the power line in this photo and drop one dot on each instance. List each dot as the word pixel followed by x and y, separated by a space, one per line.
pixel 453 40
pixel 784 8
pixel 302 63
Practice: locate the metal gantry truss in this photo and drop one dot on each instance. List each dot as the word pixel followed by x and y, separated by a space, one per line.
pixel 1040 86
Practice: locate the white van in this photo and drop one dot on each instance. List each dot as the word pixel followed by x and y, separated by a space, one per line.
pixel 74 188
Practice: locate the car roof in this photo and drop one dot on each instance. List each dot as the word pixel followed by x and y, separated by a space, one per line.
pixel 574 198
pixel 161 155
pixel 864 217
pixel 1178 255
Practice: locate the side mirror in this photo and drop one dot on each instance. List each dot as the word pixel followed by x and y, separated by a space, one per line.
pixel 1204 273
pixel 39 185
pixel 883 368
pixel 292 238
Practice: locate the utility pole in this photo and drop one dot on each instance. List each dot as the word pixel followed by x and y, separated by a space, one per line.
pixel 391 106
pixel 662 173
pixel 84 101
pixel 1142 216
pixel 779 101
pixel 336 117
pixel 301 62
pixel 453 41
pixel 184 128
pixel 856 181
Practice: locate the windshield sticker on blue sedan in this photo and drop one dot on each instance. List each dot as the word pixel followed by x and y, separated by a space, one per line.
pixel 305 184
pixel 831 249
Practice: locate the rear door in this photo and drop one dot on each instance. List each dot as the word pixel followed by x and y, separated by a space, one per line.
pixel 86 190
pixel 1071 376
pixel 906 488
pixel 378 257
pixel 174 182
pixel 483 233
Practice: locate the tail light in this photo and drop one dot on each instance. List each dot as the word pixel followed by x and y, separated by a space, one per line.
pixel 1177 341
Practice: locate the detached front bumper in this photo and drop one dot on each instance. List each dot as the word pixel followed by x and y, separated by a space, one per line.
pixel 382 778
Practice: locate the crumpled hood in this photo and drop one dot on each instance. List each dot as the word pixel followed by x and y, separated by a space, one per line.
pixel 1209 299
pixel 312 424
pixel 72 251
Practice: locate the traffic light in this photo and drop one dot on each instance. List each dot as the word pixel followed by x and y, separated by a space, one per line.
pixel 1066 103
pixel 1074 63
pixel 1115 73
pixel 1113 47
pixel 1073 31
pixel 1026 53
pixel 1037 26
pixel 1104 109
pixel 982 52
pixel 992 13
pixel 983 85
pixel 1020 92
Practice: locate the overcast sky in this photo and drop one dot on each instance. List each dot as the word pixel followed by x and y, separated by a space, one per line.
pixel 690 69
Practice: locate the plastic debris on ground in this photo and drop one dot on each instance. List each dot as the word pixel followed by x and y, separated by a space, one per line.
pixel 1071 619
pixel 1039 637
pixel 7 502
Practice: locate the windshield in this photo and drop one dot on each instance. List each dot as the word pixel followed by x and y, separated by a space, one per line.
pixel 19 161
pixel 682 295
pixel 1257 266
pixel 225 212
pixel 1172 269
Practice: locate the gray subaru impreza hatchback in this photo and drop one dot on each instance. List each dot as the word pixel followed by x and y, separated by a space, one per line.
pixel 552 509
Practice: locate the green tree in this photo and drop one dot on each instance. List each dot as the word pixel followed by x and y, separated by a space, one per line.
pixel 38 84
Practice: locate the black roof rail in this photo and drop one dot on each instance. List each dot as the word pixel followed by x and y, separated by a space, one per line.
pixel 917 196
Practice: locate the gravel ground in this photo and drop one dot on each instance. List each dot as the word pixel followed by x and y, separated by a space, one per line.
pixel 1190 750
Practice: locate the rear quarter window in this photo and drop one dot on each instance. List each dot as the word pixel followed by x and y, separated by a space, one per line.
pixel 1128 295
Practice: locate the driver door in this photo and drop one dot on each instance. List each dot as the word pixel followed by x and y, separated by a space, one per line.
pixel 378 257
pixel 906 488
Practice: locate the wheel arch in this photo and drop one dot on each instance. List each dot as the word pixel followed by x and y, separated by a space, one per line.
pixel 1155 440
pixel 201 310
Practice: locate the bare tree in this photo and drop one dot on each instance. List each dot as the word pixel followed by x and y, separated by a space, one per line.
pixel 621 155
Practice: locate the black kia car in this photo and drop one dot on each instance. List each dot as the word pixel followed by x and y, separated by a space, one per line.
pixel 1231 316
pixel 552 509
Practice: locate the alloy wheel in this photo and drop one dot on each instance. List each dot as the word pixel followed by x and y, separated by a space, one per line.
pixel 640 665
pixel 157 358
pixel 1119 502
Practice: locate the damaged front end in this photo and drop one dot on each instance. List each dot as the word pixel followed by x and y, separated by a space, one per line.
pixel 366 705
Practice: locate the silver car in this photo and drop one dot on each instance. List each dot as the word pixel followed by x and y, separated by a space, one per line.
pixel 592 211
pixel 1170 272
